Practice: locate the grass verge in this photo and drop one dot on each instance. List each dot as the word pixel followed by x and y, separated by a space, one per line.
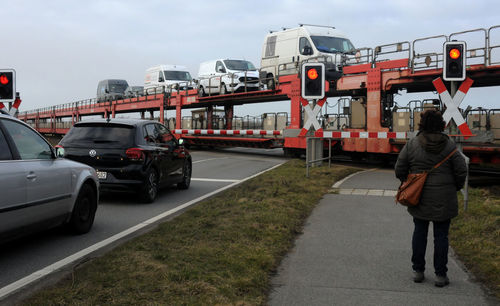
pixel 475 236
pixel 222 251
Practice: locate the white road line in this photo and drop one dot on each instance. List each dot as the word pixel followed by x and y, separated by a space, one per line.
pixel 19 284
pixel 368 192
pixel 204 160
pixel 214 180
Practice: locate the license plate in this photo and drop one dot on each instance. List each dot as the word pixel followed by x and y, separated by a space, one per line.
pixel 102 175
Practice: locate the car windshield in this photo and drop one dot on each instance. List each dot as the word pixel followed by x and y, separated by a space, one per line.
pixel 239 65
pixel 117 87
pixel 177 75
pixel 331 44
pixel 99 135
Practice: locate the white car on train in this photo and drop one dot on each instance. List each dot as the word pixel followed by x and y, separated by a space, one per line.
pixel 223 76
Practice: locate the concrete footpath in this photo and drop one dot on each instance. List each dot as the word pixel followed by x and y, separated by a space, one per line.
pixel 356 250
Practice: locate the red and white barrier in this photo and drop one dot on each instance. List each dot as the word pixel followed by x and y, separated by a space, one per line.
pixel 13 110
pixel 324 134
pixel 15 107
pixel 228 132
pixel 366 135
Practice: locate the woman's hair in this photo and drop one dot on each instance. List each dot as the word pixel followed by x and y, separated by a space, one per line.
pixel 431 121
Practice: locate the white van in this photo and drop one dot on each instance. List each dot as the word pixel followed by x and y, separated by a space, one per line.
pixel 111 89
pixel 164 78
pixel 225 76
pixel 284 51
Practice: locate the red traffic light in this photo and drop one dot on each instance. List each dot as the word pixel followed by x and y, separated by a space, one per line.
pixel 4 80
pixel 454 53
pixel 312 74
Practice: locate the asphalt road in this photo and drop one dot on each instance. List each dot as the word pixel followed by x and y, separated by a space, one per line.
pixel 117 212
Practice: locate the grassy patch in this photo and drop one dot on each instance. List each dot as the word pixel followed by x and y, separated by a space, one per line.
pixel 220 252
pixel 475 236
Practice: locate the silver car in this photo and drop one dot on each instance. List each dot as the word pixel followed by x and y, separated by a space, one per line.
pixel 37 188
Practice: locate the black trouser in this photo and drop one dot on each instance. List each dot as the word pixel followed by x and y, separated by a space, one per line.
pixel 419 244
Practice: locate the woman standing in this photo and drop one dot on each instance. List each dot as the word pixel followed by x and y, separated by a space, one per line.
pixel 438 202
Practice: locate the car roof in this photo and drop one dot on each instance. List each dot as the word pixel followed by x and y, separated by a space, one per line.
pixel 11 117
pixel 123 121
pixel 168 67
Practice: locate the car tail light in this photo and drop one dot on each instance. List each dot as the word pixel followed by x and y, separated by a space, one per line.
pixel 135 154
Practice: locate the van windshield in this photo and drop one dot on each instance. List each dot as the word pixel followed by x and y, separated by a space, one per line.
pixel 177 75
pixel 239 65
pixel 331 44
pixel 118 87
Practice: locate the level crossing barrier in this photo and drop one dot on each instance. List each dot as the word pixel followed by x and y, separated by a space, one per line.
pixel 228 132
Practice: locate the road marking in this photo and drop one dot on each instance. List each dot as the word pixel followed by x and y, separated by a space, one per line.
pixel 362 191
pixel 25 281
pixel 204 160
pixel 214 180
pixel 368 192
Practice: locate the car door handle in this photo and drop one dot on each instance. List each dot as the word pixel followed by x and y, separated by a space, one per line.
pixel 31 176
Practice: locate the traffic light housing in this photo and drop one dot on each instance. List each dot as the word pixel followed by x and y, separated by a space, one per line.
pixel 313 81
pixel 7 85
pixel 454 60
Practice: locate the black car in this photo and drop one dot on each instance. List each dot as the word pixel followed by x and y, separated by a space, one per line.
pixel 130 155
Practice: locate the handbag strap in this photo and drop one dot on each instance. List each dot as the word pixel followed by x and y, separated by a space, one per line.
pixel 445 159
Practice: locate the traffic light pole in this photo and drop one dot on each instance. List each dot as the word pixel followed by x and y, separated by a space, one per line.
pixel 465 190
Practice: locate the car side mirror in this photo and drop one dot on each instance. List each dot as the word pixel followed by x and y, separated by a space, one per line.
pixel 106 90
pixel 59 152
pixel 160 79
pixel 307 50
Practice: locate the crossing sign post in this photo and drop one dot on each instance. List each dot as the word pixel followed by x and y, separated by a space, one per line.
pixel 452 104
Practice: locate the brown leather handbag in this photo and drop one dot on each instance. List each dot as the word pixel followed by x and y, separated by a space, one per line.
pixel 410 190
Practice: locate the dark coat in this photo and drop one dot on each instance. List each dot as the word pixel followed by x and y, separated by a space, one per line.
pixel 439 196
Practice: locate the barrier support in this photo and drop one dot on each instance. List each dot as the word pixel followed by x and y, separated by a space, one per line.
pixel 316 160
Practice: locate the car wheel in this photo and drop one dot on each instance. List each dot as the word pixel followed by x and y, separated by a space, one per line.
pixel 223 89
pixel 84 210
pixel 150 188
pixel 201 92
pixel 270 82
pixel 186 175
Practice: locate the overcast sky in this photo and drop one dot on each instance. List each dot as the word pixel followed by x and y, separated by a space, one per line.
pixel 61 49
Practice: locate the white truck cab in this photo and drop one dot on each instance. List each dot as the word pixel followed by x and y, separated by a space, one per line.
pixel 223 76
pixel 284 51
pixel 164 78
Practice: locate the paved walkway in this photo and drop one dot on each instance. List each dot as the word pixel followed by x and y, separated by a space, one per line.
pixel 356 250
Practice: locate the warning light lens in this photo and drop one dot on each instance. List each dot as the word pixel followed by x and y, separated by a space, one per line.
pixel 454 53
pixel 312 74
pixel 4 80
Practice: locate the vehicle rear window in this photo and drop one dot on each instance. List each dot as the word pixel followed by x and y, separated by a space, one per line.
pixel 99 135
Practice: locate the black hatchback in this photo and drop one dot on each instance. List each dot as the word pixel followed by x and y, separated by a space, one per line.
pixel 130 155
